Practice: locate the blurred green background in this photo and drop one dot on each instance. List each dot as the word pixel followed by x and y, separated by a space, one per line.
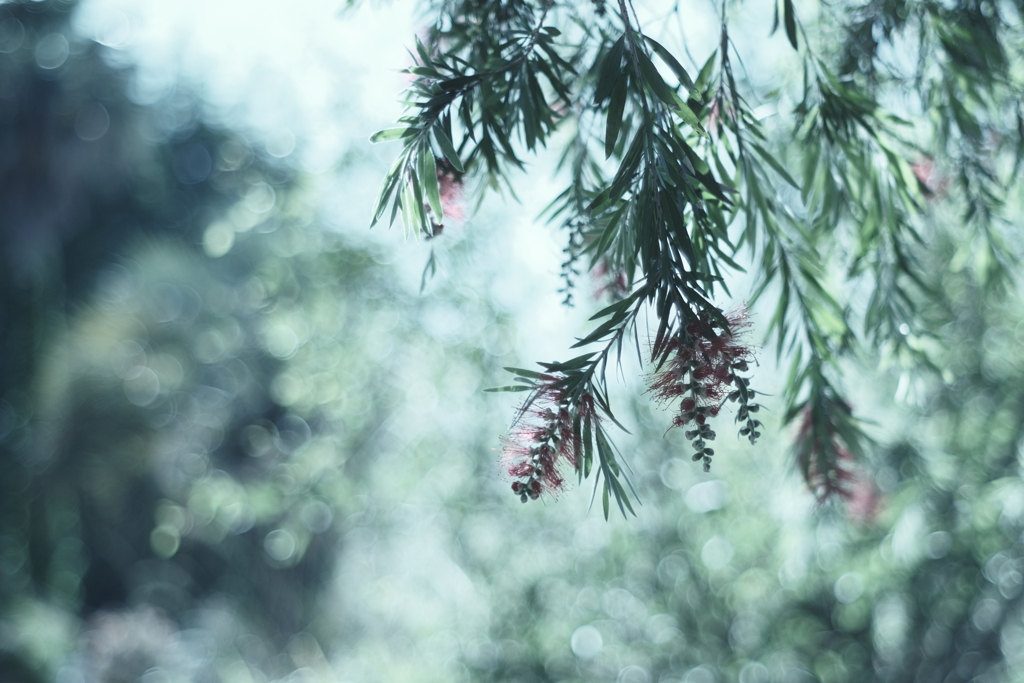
pixel 237 444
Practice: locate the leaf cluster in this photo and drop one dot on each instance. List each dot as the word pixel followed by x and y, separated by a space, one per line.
pixel 675 179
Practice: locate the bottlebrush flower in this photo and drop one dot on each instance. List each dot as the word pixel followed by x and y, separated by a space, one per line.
pixel 543 440
pixel 824 460
pixel 865 501
pixel 449 187
pixel 700 371
pixel 607 281
pixel 449 183
pixel 929 180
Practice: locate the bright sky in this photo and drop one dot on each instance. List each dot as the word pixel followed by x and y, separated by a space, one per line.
pixel 297 69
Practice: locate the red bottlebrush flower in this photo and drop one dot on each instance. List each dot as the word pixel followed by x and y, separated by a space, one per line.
pixel 543 441
pixel 830 471
pixel 700 368
pixel 450 188
pixel 864 502
pixel 932 184
pixel 607 281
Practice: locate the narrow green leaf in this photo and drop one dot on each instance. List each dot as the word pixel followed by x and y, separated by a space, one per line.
pixel 396 206
pixel 522 372
pixel 393 134
pixel 428 176
pixel 614 122
pixel 411 206
pixel 705 72
pixel 459 82
pixel 622 499
pixel 424 71
pixel 386 190
pixel 624 176
pixel 774 164
pixel 677 68
pixel 789 17
pixel 667 94
pixel 556 59
pixel 588 446
pixel 617 306
pixel 600 332
pixel 687 115
pixel 610 70
pixel 653 78
pixel 429 270
pixel 556 82
pixel 572 364
pixel 447 148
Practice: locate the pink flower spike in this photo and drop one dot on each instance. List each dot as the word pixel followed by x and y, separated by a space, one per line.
pixel 543 440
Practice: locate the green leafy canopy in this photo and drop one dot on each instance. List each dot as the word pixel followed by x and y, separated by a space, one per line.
pixel 675 181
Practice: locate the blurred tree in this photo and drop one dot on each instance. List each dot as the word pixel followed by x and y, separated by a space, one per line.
pixel 102 206
pixel 81 187
pixel 909 130
pixel 88 177
pixel 182 438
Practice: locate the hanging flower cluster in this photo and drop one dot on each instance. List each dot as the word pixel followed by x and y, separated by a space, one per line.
pixel 700 371
pixel 544 440
pixel 449 190
pixel 826 475
pixel 825 462
pixel 450 187
pixel 608 281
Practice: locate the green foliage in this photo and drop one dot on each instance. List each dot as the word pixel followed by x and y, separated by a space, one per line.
pixel 676 183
